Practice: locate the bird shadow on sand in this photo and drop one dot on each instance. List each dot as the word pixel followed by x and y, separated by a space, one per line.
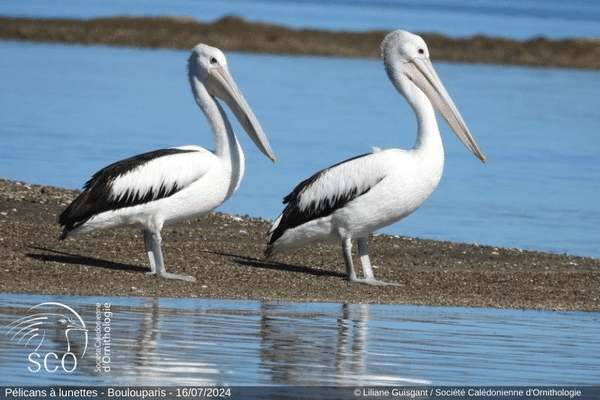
pixel 258 263
pixel 76 259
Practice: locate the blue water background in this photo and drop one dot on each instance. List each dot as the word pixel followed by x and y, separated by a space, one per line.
pixel 181 341
pixel 512 19
pixel 70 110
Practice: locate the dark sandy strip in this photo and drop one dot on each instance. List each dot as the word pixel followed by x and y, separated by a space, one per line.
pixel 233 33
pixel 224 254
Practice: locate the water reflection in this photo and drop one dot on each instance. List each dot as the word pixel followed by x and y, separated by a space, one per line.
pixel 237 343
pixel 324 349
pixel 158 348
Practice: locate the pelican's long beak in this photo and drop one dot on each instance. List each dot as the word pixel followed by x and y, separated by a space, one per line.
pixel 421 72
pixel 225 88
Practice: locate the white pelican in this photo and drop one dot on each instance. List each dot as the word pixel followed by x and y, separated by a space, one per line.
pixel 353 198
pixel 170 185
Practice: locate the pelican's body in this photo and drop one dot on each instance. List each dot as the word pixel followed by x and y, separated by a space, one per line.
pixel 356 197
pixel 166 186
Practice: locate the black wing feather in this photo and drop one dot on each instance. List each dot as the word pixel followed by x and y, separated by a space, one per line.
pixel 293 215
pixel 96 196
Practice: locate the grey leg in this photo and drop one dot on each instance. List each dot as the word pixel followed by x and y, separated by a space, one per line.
pixel 363 251
pixel 148 245
pixel 157 265
pixel 369 279
pixel 347 250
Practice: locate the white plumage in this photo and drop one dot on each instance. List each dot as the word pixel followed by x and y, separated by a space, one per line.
pixel 170 171
pixel 356 197
pixel 165 186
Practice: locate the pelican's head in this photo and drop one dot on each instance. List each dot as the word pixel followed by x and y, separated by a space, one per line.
pixel 208 65
pixel 406 61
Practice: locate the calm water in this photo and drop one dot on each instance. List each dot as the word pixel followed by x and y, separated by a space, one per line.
pixel 237 343
pixel 70 110
pixel 513 18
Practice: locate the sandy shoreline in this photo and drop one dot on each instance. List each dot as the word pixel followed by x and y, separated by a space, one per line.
pixel 224 254
pixel 233 33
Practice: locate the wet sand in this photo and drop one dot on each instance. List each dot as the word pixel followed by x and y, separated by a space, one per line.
pixel 224 253
pixel 233 33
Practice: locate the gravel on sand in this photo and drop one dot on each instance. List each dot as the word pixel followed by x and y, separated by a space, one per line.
pixel 225 254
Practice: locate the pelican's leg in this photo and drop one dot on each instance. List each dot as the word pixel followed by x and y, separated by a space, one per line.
pixel 347 250
pixel 157 265
pixel 363 252
pixel 148 245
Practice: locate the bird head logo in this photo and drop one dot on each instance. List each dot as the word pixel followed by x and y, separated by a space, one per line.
pixel 48 322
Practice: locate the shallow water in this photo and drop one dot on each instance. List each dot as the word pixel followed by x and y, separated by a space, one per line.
pixel 70 110
pixel 240 343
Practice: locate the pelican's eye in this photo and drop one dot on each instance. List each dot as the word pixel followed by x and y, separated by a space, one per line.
pixel 213 61
pixel 421 51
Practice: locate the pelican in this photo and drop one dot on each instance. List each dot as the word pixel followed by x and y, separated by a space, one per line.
pixel 358 196
pixel 166 186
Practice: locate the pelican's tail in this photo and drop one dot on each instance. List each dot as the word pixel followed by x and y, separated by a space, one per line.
pixel 269 252
pixel 290 239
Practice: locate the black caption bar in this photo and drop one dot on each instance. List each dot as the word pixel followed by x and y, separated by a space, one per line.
pixel 303 392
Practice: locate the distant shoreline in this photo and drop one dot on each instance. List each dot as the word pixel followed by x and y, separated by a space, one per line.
pixel 235 34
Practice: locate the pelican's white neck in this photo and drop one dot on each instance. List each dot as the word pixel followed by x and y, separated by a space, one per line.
pixel 428 131
pixel 428 149
pixel 226 144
